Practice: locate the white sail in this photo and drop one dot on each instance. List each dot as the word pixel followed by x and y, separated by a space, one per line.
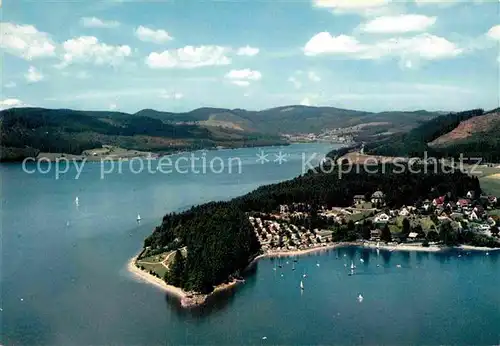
pixel 77 201
pixel 301 285
pixel 352 265
pixel 138 217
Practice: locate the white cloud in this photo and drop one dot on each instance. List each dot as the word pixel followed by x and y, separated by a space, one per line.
pixel 494 33
pixel 241 83
pixel 423 46
pixel 324 43
pixel 440 3
pixel 112 106
pixel 246 74
pixel 150 35
pixel 363 7
pixel 94 22
pixel 248 51
pixel 11 103
pixel 313 76
pixel 296 83
pixel 243 77
pixel 33 75
pixel 171 95
pixel 10 85
pixel 398 24
pixel 189 57
pixel 26 41
pixel 88 49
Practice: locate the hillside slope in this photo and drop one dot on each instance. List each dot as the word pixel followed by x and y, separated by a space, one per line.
pixel 470 130
pixel 72 132
pixel 415 142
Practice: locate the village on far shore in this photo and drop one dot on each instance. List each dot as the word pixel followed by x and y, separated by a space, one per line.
pixel 425 224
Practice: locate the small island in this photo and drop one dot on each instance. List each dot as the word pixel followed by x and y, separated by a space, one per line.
pixel 207 248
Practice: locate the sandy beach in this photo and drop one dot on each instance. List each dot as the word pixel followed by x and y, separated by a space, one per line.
pixel 187 299
pixel 150 279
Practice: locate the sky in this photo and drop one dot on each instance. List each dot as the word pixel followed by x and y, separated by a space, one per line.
pixel 179 55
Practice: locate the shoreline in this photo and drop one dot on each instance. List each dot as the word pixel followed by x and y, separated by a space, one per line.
pixel 187 299
pixel 191 299
pixel 372 245
pixel 127 154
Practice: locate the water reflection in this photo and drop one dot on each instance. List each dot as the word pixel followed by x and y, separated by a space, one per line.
pixel 365 255
pixel 386 257
pixel 405 258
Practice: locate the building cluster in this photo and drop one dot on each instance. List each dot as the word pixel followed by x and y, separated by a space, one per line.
pixel 281 231
pixel 327 136
pixel 276 235
pixel 468 213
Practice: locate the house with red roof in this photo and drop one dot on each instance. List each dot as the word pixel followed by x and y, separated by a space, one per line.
pixel 438 201
pixel 464 203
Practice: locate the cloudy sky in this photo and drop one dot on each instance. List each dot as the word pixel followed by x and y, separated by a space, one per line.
pixel 182 54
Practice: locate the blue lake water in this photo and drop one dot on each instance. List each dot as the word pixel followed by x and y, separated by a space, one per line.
pixel 64 282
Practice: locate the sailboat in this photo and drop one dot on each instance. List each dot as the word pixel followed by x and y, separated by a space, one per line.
pixel 301 285
pixel 138 218
pixel 304 275
pixel 378 244
pixel 360 298
pixel 293 266
pixel 77 201
pixel 352 265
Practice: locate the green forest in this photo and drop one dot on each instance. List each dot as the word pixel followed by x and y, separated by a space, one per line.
pixel 219 237
pixel 72 132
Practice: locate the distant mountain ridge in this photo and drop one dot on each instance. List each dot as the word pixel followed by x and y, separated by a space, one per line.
pixel 72 131
pixel 293 118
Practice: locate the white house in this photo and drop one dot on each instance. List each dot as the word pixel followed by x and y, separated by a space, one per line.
pixel 404 212
pixel 413 235
pixel 470 194
pixel 473 216
pixel 378 197
pixel 382 218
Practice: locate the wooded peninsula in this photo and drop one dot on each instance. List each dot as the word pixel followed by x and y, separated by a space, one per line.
pixel 212 244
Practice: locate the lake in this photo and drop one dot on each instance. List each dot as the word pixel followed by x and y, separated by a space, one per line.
pixel 64 281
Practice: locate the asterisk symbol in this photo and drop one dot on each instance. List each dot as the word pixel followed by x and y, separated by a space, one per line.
pixel 262 157
pixel 281 157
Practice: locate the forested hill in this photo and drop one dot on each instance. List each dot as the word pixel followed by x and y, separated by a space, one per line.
pixel 220 241
pixel 297 119
pixel 416 142
pixel 475 137
pixel 25 131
